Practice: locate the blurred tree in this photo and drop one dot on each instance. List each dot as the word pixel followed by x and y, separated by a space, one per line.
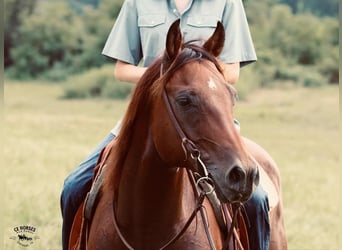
pixel 15 12
pixel 288 44
pixel 64 44
pixel 288 35
pixel 329 65
pixel 98 23
pixel 258 12
pixel 38 43
pixel 318 7
pixel 77 5
pixel 43 42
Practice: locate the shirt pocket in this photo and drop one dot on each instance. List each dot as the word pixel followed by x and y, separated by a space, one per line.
pixel 153 30
pixel 200 27
pixel 203 21
pixel 150 21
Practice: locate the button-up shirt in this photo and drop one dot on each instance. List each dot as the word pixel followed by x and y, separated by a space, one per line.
pixel 140 30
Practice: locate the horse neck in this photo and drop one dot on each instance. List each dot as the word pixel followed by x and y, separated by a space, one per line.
pixel 150 189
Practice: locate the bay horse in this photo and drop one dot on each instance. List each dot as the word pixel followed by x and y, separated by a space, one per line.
pixel 177 156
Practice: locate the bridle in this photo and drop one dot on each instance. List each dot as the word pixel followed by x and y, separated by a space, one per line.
pixel 202 184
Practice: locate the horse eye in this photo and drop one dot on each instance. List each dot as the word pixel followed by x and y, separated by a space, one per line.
pixel 184 101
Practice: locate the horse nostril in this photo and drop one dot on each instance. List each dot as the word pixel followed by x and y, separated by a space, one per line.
pixel 236 175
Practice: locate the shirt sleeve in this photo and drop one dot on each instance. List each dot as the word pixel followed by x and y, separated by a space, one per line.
pixel 238 41
pixel 123 42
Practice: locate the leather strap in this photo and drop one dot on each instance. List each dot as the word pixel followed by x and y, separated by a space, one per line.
pixel 171 241
pixel 93 194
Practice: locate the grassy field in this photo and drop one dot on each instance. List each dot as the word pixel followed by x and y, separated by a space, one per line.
pixel 46 137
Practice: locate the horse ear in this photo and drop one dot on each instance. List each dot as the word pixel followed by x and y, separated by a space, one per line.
pixel 173 40
pixel 214 44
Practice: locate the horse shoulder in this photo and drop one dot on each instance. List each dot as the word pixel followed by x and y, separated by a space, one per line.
pixel 101 232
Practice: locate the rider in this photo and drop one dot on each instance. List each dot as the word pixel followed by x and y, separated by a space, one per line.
pixel 139 34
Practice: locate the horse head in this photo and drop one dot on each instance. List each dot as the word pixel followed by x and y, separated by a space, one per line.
pixel 192 118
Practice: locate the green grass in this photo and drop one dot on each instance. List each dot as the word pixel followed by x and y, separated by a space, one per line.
pixel 300 129
pixel 45 137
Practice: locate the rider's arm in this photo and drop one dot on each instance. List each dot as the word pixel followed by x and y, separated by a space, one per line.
pixel 128 72
pixel 231 72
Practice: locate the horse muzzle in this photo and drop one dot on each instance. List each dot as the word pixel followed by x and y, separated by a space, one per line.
pixel 236 184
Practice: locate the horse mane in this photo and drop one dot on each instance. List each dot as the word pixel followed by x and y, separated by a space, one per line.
pixel 150 85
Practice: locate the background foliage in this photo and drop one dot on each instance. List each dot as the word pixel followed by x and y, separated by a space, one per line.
pixel 296 40
pixel 45 135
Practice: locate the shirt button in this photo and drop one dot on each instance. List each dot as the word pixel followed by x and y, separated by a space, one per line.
pixel 174 11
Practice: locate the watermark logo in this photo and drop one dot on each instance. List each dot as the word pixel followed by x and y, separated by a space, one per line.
pixel 25 235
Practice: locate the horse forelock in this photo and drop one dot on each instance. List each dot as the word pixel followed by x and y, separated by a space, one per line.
pixel 190 52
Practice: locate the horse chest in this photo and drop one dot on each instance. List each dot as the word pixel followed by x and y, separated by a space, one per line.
pixel 103 235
